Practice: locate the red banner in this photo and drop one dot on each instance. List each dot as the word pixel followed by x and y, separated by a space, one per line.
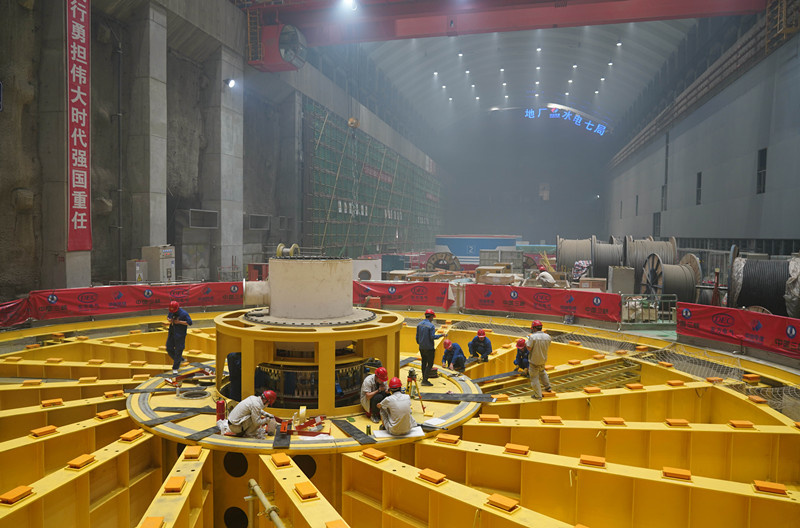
pixel 402 293
pixel 79 215
pixel 119 299
pixel 14 312
pixel 741 327
pixel 550 301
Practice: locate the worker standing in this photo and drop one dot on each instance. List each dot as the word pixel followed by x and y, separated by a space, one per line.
pixel 426 334
pixel 521 361
pixel 396 410
pixel 179 323
pixel 537 344
pixel 480 346
pixel 248 416
pixel 453 356
pixel 373 390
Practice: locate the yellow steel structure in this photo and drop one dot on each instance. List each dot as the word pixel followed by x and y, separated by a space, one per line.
pixel 648 423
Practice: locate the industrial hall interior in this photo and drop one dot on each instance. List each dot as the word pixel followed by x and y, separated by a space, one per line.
pixel 399 263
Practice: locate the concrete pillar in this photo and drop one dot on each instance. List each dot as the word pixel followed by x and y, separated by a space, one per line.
pixel 290 165
pixel 221 174
pixel 60 268
pixel 147 137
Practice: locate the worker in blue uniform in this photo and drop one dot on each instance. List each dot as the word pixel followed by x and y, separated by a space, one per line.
pixel 453 356
pixel 480 346
pixel 179 323
pixel 521 361
pixel 426 334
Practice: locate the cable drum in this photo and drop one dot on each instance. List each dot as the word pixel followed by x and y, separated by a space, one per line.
pixel 570 251
pixel 680 280
pixel 766 283
pixel 637 251
pixel 604 255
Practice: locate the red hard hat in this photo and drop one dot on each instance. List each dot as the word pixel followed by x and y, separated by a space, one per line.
pixel 381 373
pixel 520 343
pixel 269 396
pixel 481 333
pixel 536 324
pixel 542 268
pixel 173 306
pixel 430 312
pixel 447 343
pixel 395 383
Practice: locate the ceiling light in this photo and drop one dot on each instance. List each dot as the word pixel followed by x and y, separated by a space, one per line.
pixel 602 78
pixel 574 66
pixel 460 54
pixel 536 95
pixel 444 86
pixel 467 71
pixel 610 63
pixel 597 91
pixel 506 96
pixel 350 4
pixel 538 67
pixel 538 49
pixel 502 69
pixel 436 73
pixel 570 81
pixel 473 86
pixel 477 98
pixel 504 84
pixel 230 83
pixel 619 43
pixel 566 93
pixel 537 83
pixel 451 99
pixel 494 109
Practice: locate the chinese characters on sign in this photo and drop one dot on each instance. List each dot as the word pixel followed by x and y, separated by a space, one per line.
pixel 566 115
pixel 79 225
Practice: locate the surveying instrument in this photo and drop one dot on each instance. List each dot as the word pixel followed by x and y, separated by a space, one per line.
pixel 412 387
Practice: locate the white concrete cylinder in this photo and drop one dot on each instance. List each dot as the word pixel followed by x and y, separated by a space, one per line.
pixel 256 293
pixel 311 288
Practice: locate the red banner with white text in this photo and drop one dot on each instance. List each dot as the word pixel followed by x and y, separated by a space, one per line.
pixel 550 301
pixel 101 300
pixel 14 312
pixel 742 327
pixel 79 187
pixel 402 293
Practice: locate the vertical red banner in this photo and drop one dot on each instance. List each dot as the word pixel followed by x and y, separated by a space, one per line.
pixel 79 189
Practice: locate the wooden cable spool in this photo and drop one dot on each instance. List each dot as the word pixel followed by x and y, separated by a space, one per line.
pixel 680 280
pixel 637 251
pixel 443 261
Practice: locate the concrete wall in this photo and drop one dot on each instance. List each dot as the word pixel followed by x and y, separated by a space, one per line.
pixel 722 139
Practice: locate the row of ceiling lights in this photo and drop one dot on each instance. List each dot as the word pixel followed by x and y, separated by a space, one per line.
pixel 574 66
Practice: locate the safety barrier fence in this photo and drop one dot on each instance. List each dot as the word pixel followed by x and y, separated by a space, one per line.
pixel 763 331
pixel 741 327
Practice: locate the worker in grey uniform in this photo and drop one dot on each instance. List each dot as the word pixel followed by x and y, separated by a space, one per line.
pixel 396 410
pixel 537 344
pixel 248 416
pixel 373 390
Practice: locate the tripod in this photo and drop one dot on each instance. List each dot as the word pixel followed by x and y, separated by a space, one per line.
pixel 412 387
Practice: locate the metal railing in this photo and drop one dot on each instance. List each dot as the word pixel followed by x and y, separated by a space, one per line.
pixel 649 308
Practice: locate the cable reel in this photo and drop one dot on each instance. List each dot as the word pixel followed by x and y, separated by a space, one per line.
pixel 443 261
pixel 284 251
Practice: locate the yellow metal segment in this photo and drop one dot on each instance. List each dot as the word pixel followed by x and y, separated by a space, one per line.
pixel 185 498
pixel 571 492
pixel 391 493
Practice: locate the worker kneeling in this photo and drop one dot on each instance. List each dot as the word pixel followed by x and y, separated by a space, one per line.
pixel 396 410
pixel 248 417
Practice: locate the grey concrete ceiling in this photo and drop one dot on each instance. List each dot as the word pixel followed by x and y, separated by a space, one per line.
pixel 645 46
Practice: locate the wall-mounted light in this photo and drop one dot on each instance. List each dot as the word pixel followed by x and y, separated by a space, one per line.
pixel 230 83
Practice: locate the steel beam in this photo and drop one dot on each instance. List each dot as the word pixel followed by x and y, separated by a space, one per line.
pixel 326 23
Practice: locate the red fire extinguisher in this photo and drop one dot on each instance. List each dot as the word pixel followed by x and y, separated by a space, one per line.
pixel 220 409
